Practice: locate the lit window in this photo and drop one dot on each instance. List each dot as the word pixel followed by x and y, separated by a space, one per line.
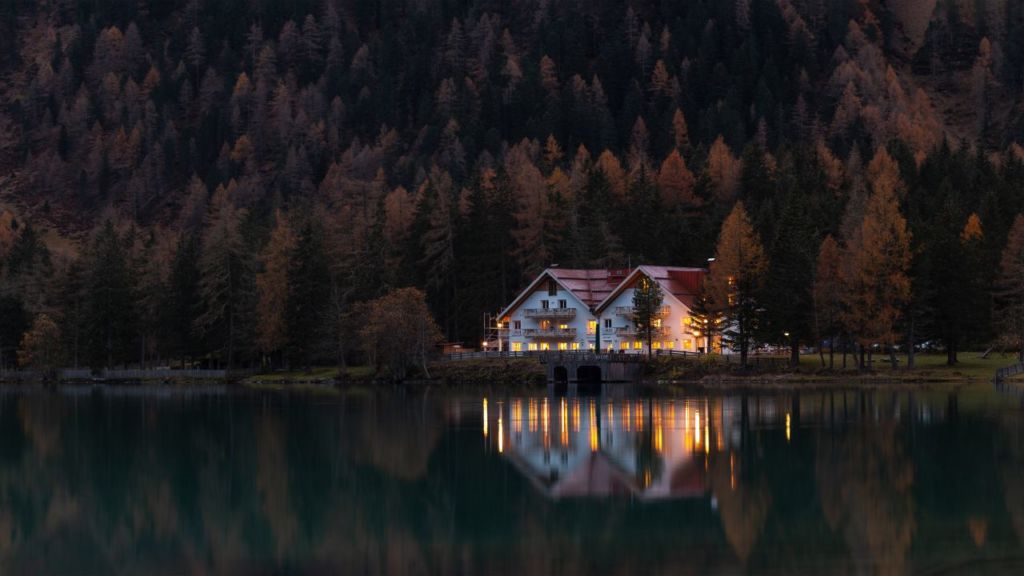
pixel 517 346
pixel 563 345
pixel 656 345
pixel 545 324
pixel 532 346
pixel 623 345
pixel 688 344
pixel 656 323
pixel 591 346
pixel 545 346
pixel 563 326
pixel 638 345
pixel 592 327
pixel 670 344
pixel 575 345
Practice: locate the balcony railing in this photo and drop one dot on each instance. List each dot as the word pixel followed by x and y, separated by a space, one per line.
pixel 630 331
pixel 550 312
pixel 630 311
pixel 550 333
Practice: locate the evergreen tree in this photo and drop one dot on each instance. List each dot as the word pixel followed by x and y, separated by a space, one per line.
pixel 308 295
pixel 226 282
pixel 1010 289
pixel 14 322
pixel 647 301
pixel 109 309
pixel 789 282
pixel 182 302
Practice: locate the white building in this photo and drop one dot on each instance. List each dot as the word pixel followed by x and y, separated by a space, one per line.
pixel 565 309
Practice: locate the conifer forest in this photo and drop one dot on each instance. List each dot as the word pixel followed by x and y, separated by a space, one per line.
pixel 235 183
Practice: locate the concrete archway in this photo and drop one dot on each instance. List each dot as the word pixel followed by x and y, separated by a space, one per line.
pixel 588 374
pixel 560 380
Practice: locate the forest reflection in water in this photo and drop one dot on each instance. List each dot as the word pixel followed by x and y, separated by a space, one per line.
pixel 237 483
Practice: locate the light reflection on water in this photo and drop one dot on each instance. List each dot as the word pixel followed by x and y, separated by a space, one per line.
pixel 228 483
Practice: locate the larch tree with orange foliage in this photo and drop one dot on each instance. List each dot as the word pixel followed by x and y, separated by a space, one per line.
pixel 875 271
pixel 272 287
pixel 827 303
pixel 399 332
pixel 736 278
pixel 675 182
pixel 1009 291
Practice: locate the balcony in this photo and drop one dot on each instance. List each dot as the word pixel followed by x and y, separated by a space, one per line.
pixel 630 311
pixel 633 332
pixel 554 333
pixel 550 313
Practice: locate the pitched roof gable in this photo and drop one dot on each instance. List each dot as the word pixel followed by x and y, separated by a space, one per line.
pixel 590 287
pixel 682 284
pixel 596 288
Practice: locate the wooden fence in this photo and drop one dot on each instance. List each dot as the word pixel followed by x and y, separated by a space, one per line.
pixel 753 361
pixel 1012 370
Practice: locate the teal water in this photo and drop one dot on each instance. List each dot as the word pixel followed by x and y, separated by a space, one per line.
pixel 123 481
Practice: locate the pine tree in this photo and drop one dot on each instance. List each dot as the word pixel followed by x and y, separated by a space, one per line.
pixel 736 279
pixel 227 281
pixel 109 293
pixel 182 303
pixel 308 294
pixel 647 301
pixel 790 279
pixel 1009 291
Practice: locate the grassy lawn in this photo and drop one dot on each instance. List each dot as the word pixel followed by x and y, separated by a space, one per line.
pixel 971 365
pixel 321 373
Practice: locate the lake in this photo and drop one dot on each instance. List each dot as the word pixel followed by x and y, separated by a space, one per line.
pixel 214 481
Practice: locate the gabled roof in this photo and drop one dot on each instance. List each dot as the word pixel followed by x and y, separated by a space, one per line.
pixel 682 284
pixel 596 288
pixel 590 287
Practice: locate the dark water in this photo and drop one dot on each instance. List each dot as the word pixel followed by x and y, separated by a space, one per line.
pixel 212 482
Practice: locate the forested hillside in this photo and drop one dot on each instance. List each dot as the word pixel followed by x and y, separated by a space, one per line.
pixel 229 179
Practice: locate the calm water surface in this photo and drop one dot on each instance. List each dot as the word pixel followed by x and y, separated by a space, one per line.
pixel 217 482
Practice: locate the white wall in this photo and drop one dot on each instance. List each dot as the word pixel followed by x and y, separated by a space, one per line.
pixel 583 315
pixel 677 333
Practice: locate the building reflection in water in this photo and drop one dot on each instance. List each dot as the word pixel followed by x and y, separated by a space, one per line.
pixel 646 449
pixel 571 447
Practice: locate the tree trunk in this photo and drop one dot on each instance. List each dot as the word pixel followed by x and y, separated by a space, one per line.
pixel 911 352
pixel 794 351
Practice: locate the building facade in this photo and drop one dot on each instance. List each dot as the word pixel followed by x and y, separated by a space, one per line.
pixel 566 309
